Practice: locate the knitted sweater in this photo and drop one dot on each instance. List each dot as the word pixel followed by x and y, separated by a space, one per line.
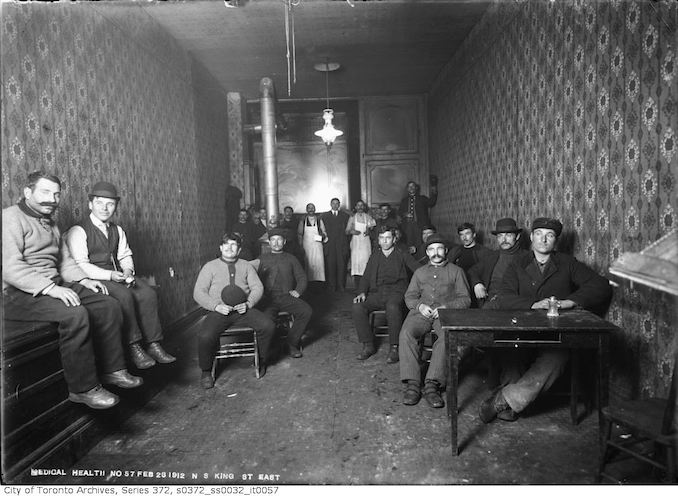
pixel 32 254
pixel 214 277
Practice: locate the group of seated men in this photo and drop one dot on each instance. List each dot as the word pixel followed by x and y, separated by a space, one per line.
pixel 86 284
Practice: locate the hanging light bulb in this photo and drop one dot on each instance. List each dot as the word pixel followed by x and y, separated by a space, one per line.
pixel 328 133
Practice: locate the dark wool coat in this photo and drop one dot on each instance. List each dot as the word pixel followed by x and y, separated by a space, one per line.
pixel 564 277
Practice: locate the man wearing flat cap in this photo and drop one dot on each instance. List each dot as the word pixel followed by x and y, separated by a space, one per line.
pixel 229 288
pixel 100 249
pixel 531 279
pixel 284 282
pixel 485 276
pixel 439 284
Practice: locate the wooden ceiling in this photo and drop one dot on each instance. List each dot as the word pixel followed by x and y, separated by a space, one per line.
pixel 384 47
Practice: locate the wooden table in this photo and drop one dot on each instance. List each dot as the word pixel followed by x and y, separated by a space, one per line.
pixel 573 329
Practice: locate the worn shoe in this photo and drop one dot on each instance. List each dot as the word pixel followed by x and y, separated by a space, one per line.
pixel 161 356
pixel 491 406
pixel 412 394
pixel 508 415
pixel 295 352
pixel 97 398
pixel 139 357
pixel 122 379
pixel 432 395
pixel 368 351
pixel 393 354
pixel 206 380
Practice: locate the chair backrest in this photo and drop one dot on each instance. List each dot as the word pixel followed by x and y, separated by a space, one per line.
pixel 669 423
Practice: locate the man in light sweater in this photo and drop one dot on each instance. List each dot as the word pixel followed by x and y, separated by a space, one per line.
pixel 100 249
pixel 284 282
pixel 229 288
pixel 42 283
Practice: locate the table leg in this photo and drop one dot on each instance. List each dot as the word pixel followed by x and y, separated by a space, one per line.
pixel 452 383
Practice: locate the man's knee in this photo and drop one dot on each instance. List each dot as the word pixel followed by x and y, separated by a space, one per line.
pixel 75 317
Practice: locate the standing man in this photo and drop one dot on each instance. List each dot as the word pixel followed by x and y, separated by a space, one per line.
pixel 531 279
pixel 414 212
pixel 383 218
pixel 438 284
pixel 100 249
pixel 284 282
pixel 336 248
pixel 229 288
pixel 248 236
pixel 381 288
pixel 290 225
pixel 42 283
pixel 485 276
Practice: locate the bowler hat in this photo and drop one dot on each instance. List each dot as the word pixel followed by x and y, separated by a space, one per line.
pixel 547 223
pixel 277 231
pixel 104 190
pixel 435 238
pixel 233 295
pixel 506 225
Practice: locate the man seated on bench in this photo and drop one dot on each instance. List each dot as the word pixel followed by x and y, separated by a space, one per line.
pixel 100 249
pixel 42 283
pixel 528 283
pixel 382 288
pixel 242 289
pixel 284 282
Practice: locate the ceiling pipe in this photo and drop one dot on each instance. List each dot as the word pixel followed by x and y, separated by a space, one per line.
pixel 268 119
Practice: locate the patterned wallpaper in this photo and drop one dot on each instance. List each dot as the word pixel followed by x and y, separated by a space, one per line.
pixel 99 92
pixel 568 109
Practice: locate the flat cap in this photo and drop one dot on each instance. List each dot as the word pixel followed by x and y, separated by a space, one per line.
pixel 233 295
pixel 435 238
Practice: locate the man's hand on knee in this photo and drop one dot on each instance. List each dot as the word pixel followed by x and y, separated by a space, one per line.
pixel 68 296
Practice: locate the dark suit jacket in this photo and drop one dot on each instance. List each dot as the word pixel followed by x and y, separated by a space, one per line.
pixel 564 277
pixel 368 283
pixel 422 204
pixel 481 272
pixel 336 230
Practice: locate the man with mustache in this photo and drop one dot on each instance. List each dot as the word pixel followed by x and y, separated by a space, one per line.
pixel 438 284
pixel 100 249
pixel 485 276
pixel 42 283
pixel 528 283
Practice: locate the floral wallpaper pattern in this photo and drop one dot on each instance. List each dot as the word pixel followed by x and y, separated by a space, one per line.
pixel 99 92
pixel 569 109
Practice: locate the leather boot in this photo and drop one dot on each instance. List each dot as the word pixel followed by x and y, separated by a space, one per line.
pixel 97 398
pixel 139 357
pixel 122 379
pixel 393 354
pixel 161 356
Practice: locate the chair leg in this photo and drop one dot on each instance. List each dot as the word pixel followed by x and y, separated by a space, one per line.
pixel 257 371
pixel 602 451
pixel 214 369
pixel 574 385
pixel 671 463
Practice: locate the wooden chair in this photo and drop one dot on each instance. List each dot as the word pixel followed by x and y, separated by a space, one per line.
pixel 647 432
pixel 378 323
pixel 237 342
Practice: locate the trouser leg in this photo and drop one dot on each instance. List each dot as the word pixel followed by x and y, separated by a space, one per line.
pixel 146 306
pixel 548 366
pixel 263 326
pixel 394 317
pixel 302 315
pixel 436 369
pixel 414 327
pixel 208 336
pixel 131 331
pixel 361 312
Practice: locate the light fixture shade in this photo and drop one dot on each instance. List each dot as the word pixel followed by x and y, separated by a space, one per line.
pixel 328 133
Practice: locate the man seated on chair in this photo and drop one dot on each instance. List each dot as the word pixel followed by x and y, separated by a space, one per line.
pixel 42 283
pixel 439 284
pixel 529 281
pixel 381 288
pixel 100 249
pixel 229 288
pixel 284 282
